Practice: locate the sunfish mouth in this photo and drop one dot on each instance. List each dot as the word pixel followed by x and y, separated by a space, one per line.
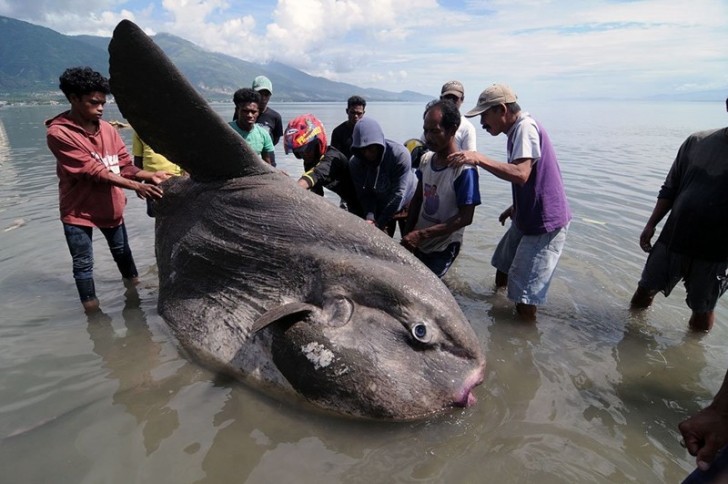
pixel 465 397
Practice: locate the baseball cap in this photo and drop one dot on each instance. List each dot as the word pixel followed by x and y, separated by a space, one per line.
pixel 452 87
pixel 492 96
pixel 262 82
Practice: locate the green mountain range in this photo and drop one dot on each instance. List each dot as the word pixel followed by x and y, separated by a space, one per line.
pixel 32 58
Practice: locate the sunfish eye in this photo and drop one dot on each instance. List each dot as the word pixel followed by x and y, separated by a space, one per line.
pixel 338 310
pixel 420 332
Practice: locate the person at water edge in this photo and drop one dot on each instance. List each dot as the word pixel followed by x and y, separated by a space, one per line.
pixel 93 166
pixel 246 106
pixel 325 166
pixel 465 136
pixel 446 196
pixel 382 175
pixel 527 255
pixel 268 117
pixel 341 136
pixel 147 159
pixel 705 436
pixel 693 243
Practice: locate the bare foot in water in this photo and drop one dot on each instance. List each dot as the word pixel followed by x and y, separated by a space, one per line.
pixel 91 306
pixel 526 311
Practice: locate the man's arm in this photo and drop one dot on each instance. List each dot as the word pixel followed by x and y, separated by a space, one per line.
pixel 523 153
pixel 79 163
pixel 367 199
pixel 662 206
pixel 505 215
pixel 414 208
pixel 400 173
pixel 277 129
pixel 706 432
pixel 320 174
pixel 143 190
pixel 516 172
pixel 668 192
pixel 463 218
pixel 267 154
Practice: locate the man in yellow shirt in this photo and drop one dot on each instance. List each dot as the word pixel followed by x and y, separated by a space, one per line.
pixel 147 159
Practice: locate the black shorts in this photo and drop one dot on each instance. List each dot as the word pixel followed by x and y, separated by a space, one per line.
pixel 705 281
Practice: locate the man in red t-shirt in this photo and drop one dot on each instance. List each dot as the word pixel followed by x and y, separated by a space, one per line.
pixel 93 166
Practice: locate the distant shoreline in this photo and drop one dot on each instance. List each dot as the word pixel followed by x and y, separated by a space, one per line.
pixel 20 101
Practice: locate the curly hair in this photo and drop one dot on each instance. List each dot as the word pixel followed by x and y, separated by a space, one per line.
pixel 450 112
pixel 82 80
pixel 246 95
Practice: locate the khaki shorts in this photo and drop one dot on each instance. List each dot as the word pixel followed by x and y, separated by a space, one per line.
pixel 705 281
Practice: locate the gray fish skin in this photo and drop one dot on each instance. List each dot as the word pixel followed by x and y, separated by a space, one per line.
pixel 278 287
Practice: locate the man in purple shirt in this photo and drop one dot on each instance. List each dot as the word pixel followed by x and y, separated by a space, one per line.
pixel 526 256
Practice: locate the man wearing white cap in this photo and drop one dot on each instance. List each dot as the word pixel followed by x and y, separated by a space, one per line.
pixel 465 135
pixel 526 256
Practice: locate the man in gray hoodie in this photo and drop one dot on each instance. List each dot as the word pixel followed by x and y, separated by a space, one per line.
pixel 381 170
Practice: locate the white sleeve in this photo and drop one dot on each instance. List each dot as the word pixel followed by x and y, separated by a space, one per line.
pixel 526 141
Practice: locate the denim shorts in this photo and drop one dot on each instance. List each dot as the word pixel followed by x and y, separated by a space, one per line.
pixel 705 281
pixel 529 261
pixel 439 262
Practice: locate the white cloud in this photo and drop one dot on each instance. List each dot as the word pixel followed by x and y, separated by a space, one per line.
pixel 192 12
pixel 312 33
pixel 600 47
pixel 595 48
pixel 61 15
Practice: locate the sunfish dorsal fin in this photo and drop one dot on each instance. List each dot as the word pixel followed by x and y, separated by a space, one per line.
pixel 170 115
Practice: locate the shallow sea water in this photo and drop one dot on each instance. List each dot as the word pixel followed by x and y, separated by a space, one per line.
pixel 591 393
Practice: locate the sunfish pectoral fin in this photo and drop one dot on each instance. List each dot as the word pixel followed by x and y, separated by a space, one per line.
pixel 281 313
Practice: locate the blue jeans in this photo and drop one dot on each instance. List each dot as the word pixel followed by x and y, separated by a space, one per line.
pixel 79 239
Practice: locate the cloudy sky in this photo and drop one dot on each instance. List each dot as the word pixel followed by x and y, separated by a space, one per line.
pixel 553 48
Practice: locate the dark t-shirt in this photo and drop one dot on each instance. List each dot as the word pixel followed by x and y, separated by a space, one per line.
pixel 271 120
pixel 697 185
pixel 332 172
pixel 341 138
